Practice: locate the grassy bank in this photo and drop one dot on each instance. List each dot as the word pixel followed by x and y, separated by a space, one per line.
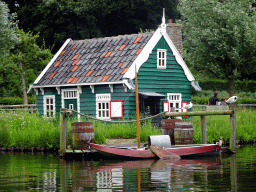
pixel 28 130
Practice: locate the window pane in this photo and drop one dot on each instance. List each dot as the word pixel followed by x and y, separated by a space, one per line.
pixel 51 107
pixel 107 113
pixel 159 62
pixel 159 54
pixel 103 114
pixel 99 113
pixel 99 104
pixel 47 101
pixel 103 105
pixel 51 100
pixel 47 107
pixel 162 62
pixel 162 54
pixel 107 106
pixel 171 104
pixel 177 105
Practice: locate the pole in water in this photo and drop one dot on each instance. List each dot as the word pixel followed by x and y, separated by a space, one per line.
pixel 137 108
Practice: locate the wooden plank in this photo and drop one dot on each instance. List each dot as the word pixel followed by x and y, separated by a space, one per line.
pixel 163 154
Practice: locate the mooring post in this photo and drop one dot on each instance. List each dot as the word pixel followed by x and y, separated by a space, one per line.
pixel 233 128
pixel 204 129
pixel 63 130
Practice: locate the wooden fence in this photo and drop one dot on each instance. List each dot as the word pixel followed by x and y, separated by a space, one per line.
pixel 29 107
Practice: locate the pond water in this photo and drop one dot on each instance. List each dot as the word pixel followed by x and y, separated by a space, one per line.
pixel 46 172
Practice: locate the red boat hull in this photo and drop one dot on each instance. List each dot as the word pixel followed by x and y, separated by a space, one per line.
pixel 185 150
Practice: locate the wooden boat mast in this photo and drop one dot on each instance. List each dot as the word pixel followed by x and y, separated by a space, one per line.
pixel 137 108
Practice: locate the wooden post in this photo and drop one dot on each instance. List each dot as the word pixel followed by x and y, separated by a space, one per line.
pixel 204 129
pixel 233 129
pixel 137 108
pixel 63 130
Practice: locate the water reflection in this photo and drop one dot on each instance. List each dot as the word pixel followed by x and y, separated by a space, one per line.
pixel 135 175
pixel 46 172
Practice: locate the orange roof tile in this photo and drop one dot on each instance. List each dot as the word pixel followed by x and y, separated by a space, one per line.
pixel 75 79
pixel 52 75
pixel 70 79
pixel 74 68
pixel 75 57
pixel 75 62
pixel 120 64
pixel 74 46
pixel 105 78
pixel 122 47
pixel 138 52
pixel 124 71
pixel 57 63
pixel 89 73
pixel 64 51
pixel 108 53
pixel 137 40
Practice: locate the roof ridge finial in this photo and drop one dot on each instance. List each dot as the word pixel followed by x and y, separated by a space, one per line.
pixel 163 19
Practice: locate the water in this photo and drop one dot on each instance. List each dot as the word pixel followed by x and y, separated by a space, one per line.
pixel 46 172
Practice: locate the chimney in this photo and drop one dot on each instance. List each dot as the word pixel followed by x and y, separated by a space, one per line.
pixel 174 30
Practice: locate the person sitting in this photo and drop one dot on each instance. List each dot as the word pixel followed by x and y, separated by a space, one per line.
pixel 214 100
pixel 223 101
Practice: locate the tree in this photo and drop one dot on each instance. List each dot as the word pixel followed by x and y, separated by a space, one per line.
pixel 219 37
pixel 8 36
pixel 27 58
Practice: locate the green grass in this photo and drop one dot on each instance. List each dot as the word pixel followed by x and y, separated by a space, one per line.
pixel 24 129
pixel 218 126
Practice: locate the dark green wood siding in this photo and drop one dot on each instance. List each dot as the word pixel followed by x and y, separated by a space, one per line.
pixel 163 81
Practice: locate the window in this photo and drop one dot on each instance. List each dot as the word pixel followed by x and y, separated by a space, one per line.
pixel 174 100
pixel 49 106
pixel 70 94
pixel 161 58
pixel 103 106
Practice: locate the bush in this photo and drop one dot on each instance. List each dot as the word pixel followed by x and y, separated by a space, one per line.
pixel 16 100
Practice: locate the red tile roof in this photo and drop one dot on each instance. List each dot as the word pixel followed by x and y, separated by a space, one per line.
pixel 105 78
pixel 138 52
pixel 57 63
pixel 74 46
pixel 64 51
pixel 74 68
pixel 122 47
pixel 125 70
pixel 75 57
pixel 73 79
pixel 137 40
pixel 52 75
pixel 75 61
pixel 89 73
pixel 108 53
pixel 120 64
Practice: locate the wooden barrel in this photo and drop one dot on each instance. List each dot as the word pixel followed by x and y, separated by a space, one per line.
pixel 81 134
pixel 183 133
pixel 168 128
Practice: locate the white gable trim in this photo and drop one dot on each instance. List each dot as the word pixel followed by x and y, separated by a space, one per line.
pixel 143 56
pixel 52 61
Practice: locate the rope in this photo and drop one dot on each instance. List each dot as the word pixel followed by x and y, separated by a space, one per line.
pixel 116 121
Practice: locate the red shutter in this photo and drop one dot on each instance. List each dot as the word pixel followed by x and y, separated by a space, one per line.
pixel 165 106
pixel 183 104
pixel 116 109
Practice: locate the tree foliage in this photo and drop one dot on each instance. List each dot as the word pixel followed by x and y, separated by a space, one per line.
pixel 219 37
pixel 27 58
pixel 57 20
pixel 8 36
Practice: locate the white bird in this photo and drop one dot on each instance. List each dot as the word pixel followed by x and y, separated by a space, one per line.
pixel 232 99
pixel 189 106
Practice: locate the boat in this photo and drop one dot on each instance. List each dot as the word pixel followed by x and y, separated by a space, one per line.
pixel 146 153
pixel 159 148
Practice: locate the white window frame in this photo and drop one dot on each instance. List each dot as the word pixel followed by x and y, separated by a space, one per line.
pixel 103 106
pixel 161 58
pixel 45 106
pixel 174 100
pixel 70 93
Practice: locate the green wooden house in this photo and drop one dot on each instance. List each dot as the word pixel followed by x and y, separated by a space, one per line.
pixel 96 77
